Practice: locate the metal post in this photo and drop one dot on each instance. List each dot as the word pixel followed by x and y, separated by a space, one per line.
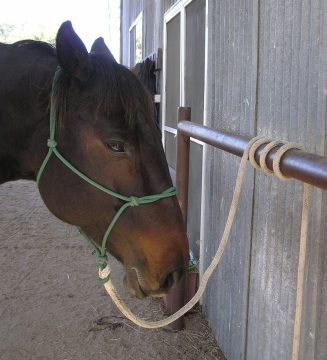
pixel 182 169
pixel 182 166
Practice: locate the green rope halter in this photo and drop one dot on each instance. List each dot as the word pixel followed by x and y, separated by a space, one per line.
pixel 129 200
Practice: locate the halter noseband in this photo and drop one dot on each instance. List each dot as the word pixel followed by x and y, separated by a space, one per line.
pixel 129 201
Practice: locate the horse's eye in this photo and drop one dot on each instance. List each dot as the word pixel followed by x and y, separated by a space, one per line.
pixel 116 147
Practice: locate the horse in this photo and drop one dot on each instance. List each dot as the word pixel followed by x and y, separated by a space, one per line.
pixel 105 128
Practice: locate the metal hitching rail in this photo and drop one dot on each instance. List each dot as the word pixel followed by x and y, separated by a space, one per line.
pixel 301 165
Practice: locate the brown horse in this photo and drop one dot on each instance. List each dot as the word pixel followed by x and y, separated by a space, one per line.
pixel 105 128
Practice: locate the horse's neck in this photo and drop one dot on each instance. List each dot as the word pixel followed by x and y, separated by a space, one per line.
pixel 24 123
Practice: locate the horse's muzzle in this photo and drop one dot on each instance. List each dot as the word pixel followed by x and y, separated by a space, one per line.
pixel 136 284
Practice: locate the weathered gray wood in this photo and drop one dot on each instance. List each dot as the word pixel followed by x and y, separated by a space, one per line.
pixel 267 74
pixel 231 107
pixel 291 107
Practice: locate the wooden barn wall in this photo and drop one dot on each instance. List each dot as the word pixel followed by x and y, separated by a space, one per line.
pixel 267 62
pixel 266 76
pixel 153 17
pixel 291 106
pixel 232 65
pixel 130 10
pixel 168 4
pixel 153 26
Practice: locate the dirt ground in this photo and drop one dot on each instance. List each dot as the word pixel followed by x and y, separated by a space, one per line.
pixel 53 307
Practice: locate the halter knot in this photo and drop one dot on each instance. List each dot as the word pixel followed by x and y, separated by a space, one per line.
pixel 52 143
pixel 134 201
pixel 102 261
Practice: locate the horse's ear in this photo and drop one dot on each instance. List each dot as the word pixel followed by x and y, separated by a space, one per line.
pixel 72 53
pixel 99 47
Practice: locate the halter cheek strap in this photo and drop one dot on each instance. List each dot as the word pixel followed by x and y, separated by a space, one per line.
pixel 129 200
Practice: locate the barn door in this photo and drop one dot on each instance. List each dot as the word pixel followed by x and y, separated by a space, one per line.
pixel 184 85
pixel 135 41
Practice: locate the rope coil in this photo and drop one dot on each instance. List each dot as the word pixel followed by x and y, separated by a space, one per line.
pixel 254 145
pixel 264 154
pixel 281 151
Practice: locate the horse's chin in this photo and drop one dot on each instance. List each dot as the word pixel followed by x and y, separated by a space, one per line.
pixel 134 288
pixel 134 285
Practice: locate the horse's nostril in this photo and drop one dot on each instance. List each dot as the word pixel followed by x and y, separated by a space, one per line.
pixel 171 280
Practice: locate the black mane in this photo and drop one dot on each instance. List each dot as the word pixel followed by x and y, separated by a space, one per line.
pixel 36 45
pixel 112 86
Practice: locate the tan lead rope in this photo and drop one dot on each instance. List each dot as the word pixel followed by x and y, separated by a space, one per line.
pixel 303 246
pixel 300 273
pixel 253 144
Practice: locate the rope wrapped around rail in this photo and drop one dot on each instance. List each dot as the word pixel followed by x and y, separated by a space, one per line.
pixel 248 154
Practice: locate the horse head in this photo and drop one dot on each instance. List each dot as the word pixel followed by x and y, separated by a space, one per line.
pixel 106 129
